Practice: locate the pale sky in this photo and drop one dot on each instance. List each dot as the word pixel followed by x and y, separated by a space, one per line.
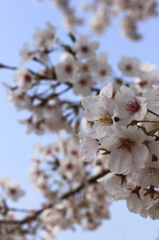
pixel 18 21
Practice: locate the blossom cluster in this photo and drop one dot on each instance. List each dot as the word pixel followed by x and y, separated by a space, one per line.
pixel 122 141
pixel 104 11
pixel 41 93
pixel 61 157
pixel 79 71
pixel 119 130
pixel 11 189
pixel 55 172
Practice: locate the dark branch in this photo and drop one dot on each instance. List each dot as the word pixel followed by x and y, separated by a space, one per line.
pixel 66 195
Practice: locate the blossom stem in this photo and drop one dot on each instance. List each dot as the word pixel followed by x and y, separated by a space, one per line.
pixel 153 113
pixel 144 129
pixel 153 131
pixel 148 121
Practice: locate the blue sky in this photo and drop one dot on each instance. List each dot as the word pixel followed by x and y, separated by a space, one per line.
pixel 19 18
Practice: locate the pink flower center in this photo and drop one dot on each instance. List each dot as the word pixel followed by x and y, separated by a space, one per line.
pixel 20 96
pixel 132 107
pixel 85 163
pixel 83 82
pixel 48 152
pixel 57 149
pixel 103 72
pixel 27 78
pixel 84 49
pixel 128 67
pixel 13 191
pixel 142 84
pixel 38 172
pixel 30 53
pixel 85 67
pixel 74 152
pixel 68 69
pixel 69 166
pixel 124 144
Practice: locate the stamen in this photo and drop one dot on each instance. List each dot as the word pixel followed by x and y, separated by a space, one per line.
pixel 132 107
pixel 105 119
pixel 125 144
pixel 152 172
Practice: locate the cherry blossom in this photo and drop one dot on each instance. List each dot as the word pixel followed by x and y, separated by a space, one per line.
pixel 82 84
pixel 130 106
pixel 84 48
pixel 26 53
pixel 127 149
pixel 12 189
pixel 66 69
pixel 117 142
pixel 129 66
pixel 45 38
pixel 23 79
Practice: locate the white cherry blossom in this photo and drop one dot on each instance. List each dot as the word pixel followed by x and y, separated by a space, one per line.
pixel 66 69
pixel 127 149
pixel 134 203
pixel 24 79
pixel 27 54
pixel 103 69
pixel 44 38
pixel 129 66
pixel 145 81
pixel 84 48
pixel 71 168
pixel 152 96
pixel 21 100
pixel 13 190
pixel 147 176
pixel 89 148
pixel 151 209
pixel 82 84
pixel 102 114
pixel 113 181
pixel 130 106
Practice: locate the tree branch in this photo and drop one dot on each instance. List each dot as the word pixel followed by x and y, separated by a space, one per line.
pixel 66 195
